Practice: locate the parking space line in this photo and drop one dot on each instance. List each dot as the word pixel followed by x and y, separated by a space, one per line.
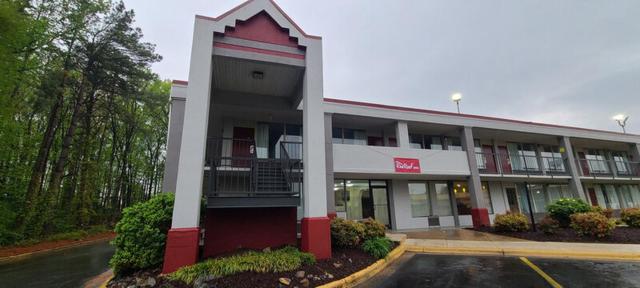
pixel 544 275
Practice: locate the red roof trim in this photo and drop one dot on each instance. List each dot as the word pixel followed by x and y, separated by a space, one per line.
pixel 399 108
pixel 180 82
pixel 249 1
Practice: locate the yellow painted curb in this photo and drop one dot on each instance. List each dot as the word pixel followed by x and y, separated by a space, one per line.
pixel 366 273
pixel 104 284
pixel 524 252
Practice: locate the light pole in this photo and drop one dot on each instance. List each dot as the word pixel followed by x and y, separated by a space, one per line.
pixel 622 121
pixel 456 97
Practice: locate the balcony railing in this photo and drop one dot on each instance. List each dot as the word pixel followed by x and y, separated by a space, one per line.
pixel 518 164
pixel 234 172
pixel 608 168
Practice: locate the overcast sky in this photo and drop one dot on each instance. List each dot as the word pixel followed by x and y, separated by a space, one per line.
pixel 561 62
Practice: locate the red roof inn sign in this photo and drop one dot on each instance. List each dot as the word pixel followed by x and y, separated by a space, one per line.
pixel 407 165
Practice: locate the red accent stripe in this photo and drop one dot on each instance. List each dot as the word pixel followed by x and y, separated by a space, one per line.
pixel 256 50
pixel 399 108
pixel 180 82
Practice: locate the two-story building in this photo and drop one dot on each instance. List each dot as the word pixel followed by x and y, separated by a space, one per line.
pixel 252 134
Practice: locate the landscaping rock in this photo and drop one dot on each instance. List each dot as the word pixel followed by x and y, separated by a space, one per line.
pixel 304 282
pixel 300 274
pixel 329 275
pixel 151 282
pixel 284 281
pixel 268 249
pixel 337 264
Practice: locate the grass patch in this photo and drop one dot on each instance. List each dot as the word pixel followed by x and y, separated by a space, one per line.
pixel 71 235
pixel 281 260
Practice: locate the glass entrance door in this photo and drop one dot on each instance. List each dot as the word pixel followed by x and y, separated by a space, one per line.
pixel 512 198
pixel 380 205
pixel 363 199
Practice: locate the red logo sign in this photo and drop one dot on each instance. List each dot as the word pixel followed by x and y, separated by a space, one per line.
pixel 407 165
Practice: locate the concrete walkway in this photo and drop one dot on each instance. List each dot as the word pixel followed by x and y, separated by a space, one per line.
pixel 468 242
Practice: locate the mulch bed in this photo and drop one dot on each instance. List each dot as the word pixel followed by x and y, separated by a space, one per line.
pixel 343 263
pixel 620 235
pixel 10 251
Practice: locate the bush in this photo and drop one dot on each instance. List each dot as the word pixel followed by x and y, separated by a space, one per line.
pixel 346 233
pixel 141 234
pixel 373 229
pixel 548 225
pixel 631 217
pixel 562 210
pixel 511 222
pixel 377 247
pixel 592 224
pixel 606 212
pixel 281 260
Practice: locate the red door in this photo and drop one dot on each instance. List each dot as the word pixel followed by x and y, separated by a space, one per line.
pixel 592 196
pixel 242 149
pixel 582 160
pixel 503 155
pixel 490 162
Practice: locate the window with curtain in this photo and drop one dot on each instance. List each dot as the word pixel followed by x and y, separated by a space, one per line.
pixel 453 143
pixel 433 142
pixel 597 162
pixel 419 197
pixel 552 159
pixel 262 140
pixel 537 197
pixel 415 140
pixel 621 162
pixel 443 202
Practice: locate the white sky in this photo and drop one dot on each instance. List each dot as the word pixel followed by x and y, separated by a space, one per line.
pixel 562 62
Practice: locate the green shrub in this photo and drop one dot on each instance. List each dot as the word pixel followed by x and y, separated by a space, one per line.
pixel 549 225
pixel 631 217
pixel 373 229
pixel 73 235
pixel 606 212
pixel 562 210
pixel 346 233
pixel 8 237
pixel 281 260
pixel 141 234
pixel 377 247
pixel 592 224
pixel 511 222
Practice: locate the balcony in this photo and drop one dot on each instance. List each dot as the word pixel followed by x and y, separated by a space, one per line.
pixel 608 168
pixel 236 177
pixel 519 164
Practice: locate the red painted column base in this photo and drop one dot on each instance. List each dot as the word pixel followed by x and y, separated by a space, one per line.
pixel 332 215
pixel 181 249
pixel 480 217
pixel 316 236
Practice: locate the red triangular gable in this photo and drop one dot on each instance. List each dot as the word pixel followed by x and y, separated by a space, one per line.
pixel 261 27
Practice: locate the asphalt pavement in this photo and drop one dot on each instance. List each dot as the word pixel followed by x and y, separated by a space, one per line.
pixel 427 270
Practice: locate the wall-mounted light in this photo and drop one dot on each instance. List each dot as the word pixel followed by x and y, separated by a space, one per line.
pixel 258 75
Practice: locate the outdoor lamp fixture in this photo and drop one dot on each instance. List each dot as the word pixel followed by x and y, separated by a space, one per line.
pixel 622 121
pixel 456 97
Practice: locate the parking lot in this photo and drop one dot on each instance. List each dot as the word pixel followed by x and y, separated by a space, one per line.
pixel 424 270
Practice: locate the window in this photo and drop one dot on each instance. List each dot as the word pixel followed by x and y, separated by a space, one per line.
pixel 537 197
pixel 453 143
pixel 557 191
pixel 419 197
pixel 523 157
pixel 621 162
pixel 443 202
pixel 339 191
pixel 597 162
pixel 486 195
pixel 415 141
pixel 481 158
pixel 433 143
pixel 552 159
pixel 463 198
pixel 349 136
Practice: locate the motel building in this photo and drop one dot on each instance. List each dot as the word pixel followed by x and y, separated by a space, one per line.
pixel 252 134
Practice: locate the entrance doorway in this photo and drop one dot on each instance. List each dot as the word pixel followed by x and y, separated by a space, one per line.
pixel 512 199
pixel 362 199
pixel 243 148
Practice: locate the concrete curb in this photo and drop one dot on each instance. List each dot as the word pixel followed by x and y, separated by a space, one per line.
pixel 366 273
pixel 616 252
pixel 25 255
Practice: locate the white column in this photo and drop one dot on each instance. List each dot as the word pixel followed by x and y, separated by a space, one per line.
pixel 186 211
pixel 402 134
pixel 315 185
pixel 475 186
pixel 572 168
pixel 174 139
pixel 328 144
